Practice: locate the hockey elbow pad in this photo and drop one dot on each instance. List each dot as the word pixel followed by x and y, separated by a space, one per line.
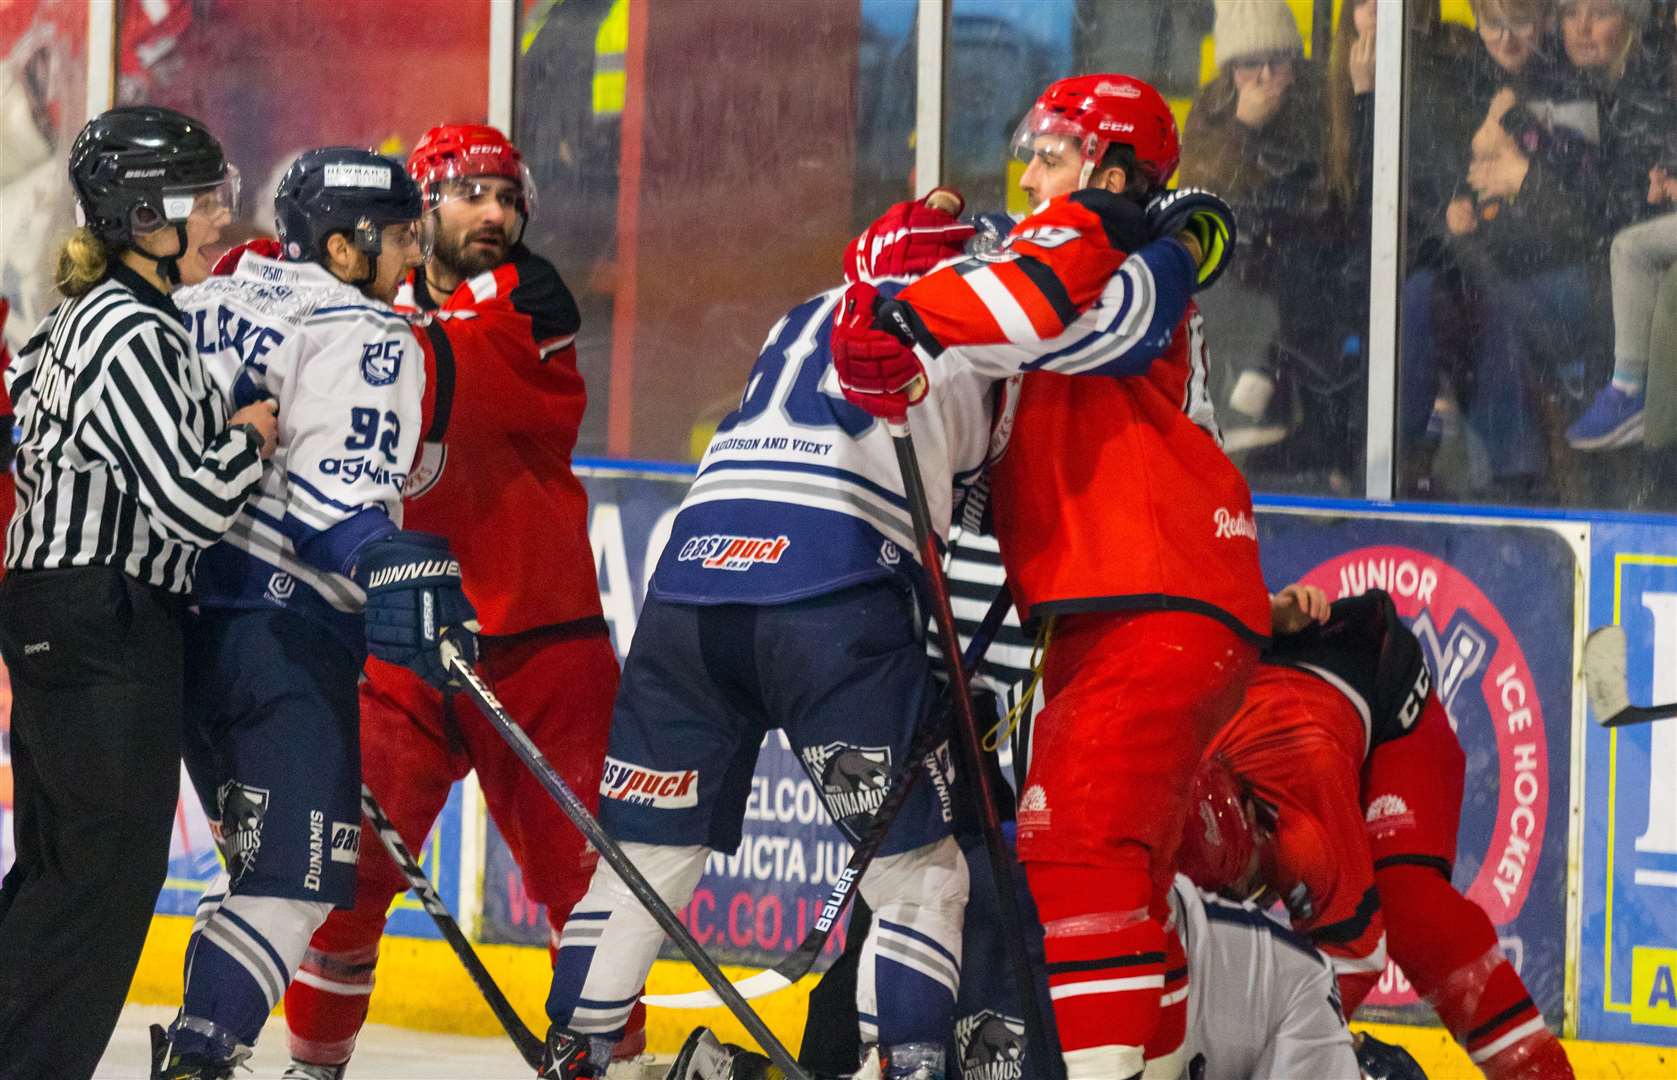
pixel 415 603
pixel 1205 217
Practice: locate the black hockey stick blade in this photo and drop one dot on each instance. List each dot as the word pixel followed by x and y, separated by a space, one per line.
pixel 529 1047
pixel 527 751
pixel 800 960
pixel 1608 685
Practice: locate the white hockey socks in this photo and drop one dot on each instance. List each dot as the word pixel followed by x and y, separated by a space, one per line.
pixel 911 962
pixel 610 926
pixel 243 952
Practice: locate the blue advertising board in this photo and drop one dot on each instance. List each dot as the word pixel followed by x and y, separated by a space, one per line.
pixel 1627 966
pixel 1493 605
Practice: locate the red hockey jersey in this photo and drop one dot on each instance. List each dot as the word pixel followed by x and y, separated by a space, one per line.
pixel 503 401
pixel 1114 491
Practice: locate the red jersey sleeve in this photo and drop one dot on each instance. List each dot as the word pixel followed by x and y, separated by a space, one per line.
pixel 1053 265
pixel 501 356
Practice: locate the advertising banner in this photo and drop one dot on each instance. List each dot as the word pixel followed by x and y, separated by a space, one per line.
pixel 1627 966
pixel 1493 606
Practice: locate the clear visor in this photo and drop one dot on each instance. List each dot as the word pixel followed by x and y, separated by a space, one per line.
pixel 482 180
pixel 219 202
pixel 413 240
pixel 1051 136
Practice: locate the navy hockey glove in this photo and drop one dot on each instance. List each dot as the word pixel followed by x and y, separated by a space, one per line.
pixel 1202 215
pixel 414 601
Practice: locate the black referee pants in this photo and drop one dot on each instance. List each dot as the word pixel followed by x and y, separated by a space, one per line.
pixel 96 665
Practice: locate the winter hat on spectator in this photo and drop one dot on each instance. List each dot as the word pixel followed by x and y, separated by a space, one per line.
pixel 1247 28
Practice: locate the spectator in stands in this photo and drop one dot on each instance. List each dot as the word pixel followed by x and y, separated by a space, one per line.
pixel 1515 282
pixel 1254 135
pixel 1641 130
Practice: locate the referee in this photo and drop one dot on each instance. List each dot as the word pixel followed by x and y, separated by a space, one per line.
pixel 127 466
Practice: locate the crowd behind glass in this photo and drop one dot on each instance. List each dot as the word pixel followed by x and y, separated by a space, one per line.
pixel 1538 315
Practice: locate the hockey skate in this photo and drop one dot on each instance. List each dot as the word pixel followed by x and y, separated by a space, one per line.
pixel 569 1055
pixel 303 1070
pixel 911 1061
pixel 704 1057
pixel 188 1067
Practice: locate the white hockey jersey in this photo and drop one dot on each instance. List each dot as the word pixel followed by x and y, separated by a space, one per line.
pixel 348 373
pixel 1262 1002
pixel 799 493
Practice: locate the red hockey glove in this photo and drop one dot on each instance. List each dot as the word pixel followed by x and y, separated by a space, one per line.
pixel 261 245
pixel 878 373
pixel 909 239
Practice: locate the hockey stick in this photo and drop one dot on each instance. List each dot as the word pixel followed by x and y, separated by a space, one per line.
pixel 1608 685
pixel 609 850
pixel 966 726
pixel 529 1047
pixel 799 962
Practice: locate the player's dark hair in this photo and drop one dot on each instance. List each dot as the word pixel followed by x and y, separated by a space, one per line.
pixel 1122 156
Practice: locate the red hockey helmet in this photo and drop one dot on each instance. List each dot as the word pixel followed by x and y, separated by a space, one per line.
pixel 463 152
pixel 1217 841
pixel 1099 110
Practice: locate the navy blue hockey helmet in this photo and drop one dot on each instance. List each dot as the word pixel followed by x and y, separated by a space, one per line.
pixel 342 189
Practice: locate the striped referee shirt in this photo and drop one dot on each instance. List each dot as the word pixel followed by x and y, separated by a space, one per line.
pixel 124 457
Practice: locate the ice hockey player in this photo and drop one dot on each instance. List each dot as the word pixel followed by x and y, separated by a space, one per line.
pixel 275 650
pixel 494 478
pixel 1122 526
pixel 1342 749
pixel 787 596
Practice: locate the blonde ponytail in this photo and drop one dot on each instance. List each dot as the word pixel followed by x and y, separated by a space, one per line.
pixel 81 263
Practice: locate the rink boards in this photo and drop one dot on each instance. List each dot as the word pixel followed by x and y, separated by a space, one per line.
pixel 1569 833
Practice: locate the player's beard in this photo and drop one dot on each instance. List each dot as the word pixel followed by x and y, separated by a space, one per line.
pixel 465 261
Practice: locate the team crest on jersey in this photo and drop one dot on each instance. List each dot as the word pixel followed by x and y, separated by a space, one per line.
pixel 381 362
pixel 630 783
pixel 720 552
pixel 1387 814
pixel 990 1046
pixel 1033 812
pixel 853 779
pixel 239 832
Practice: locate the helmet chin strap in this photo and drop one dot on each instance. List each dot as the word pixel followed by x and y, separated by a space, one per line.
pixel 168 266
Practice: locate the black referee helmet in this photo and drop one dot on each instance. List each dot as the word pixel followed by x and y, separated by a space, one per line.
pixel 137 168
